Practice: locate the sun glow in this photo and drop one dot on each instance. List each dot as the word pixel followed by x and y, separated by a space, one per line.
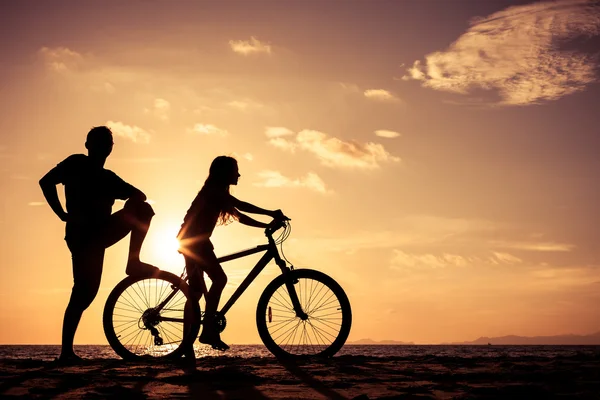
pixel 165 250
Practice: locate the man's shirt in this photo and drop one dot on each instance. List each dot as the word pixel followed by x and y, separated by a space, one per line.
pixel 90 190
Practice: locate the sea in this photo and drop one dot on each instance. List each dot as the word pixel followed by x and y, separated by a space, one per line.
pixel 50 352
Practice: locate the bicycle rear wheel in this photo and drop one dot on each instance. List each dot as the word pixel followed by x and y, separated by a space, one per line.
pixel 135 327
pixel 325 330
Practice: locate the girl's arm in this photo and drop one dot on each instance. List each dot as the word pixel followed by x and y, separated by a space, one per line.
pixel 247 207
pixel 246 220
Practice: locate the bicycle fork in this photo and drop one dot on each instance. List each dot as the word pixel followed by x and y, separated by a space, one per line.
pixel 289 285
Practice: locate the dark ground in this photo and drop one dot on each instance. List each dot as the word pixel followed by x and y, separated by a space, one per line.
pixel 344 377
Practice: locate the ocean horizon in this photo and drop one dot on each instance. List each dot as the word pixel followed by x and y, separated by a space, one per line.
pixel 50 352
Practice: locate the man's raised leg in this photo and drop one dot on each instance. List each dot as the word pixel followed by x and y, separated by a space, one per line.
pixel 134 218
pixel 140 215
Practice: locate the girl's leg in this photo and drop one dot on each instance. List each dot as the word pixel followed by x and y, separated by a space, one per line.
pixel 210 334
pixel 197 289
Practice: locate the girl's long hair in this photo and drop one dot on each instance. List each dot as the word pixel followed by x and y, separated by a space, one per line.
pixel 218 181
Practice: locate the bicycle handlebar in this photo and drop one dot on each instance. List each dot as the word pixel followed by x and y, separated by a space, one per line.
pixel 275 226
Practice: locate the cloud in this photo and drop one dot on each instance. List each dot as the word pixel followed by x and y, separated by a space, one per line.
pixel 386 134
pixel 249 47
pixel 517 52
pixel 333 152
pixel 246 105
pixel 162 109
pixel 381 95
pixel 283 144
pixel 245 156
pixel 410 261
pixel 349 87
pixel 506 258
pixel 402 260
pixel 276 138
pixel 275 179
pixel 36 203
pixel 208 129
pixel 133 133
pixel 535 246
pixel 61 59
pixel 277 131
pixel 104 87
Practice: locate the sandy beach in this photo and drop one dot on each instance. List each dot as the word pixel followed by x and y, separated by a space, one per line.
pixel 344 377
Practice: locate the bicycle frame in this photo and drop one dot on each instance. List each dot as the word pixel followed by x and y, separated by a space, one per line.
pixel 271 253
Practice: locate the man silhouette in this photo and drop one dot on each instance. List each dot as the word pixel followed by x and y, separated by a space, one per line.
pixel 90 192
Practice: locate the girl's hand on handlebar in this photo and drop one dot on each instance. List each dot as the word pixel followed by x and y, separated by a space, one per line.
pixel 275 225
pixel 278 215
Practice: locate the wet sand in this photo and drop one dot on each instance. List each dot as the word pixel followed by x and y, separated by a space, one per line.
pixel 344 377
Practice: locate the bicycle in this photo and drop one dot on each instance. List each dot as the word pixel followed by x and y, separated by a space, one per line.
pixel 302 312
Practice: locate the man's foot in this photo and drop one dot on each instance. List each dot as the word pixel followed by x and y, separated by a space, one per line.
pixel 138 268
pixel 68 359
pixel 213 339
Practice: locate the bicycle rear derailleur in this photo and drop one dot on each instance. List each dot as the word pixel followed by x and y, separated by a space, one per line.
pixel 150 320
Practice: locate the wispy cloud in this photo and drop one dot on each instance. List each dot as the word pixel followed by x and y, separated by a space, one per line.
pixel 246 105
pixel 249 47
pixel 36 203
pixel 311 181
pixel 402 260
pixel 518 53
pixel 61 59
pixel 283 144
pixel 245 156
pixel 507 258
pixel 333 152
pixel 208 129
pixel 161 109
pixel 381 95
pixel 387 134
pixel 104 87
pixel 278 131
pixel 534 246
pixel 130 132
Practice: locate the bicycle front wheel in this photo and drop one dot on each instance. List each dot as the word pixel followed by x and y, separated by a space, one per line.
pixel 325 330
pixel 143 317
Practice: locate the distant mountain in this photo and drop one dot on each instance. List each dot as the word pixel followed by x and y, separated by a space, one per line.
pixel 371 341
pixel 593 339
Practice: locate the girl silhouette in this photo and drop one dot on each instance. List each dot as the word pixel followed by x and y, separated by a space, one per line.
pixel 214 205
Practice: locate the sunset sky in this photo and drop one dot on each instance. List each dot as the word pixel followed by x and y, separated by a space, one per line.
pixel 439 159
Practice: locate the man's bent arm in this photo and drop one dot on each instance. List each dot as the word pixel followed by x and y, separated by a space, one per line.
pixel 48 184
pixel 137 195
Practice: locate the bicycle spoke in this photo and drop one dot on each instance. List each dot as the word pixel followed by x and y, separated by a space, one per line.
pixel 329 303
pixel 285 332
pixel 321 301
pixel 137 292
pixel 317 335
pixel 312 299
pixel 326 322
pixel 132 303
pixel 284 299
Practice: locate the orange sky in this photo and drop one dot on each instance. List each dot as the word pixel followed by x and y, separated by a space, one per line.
pixel 438 159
